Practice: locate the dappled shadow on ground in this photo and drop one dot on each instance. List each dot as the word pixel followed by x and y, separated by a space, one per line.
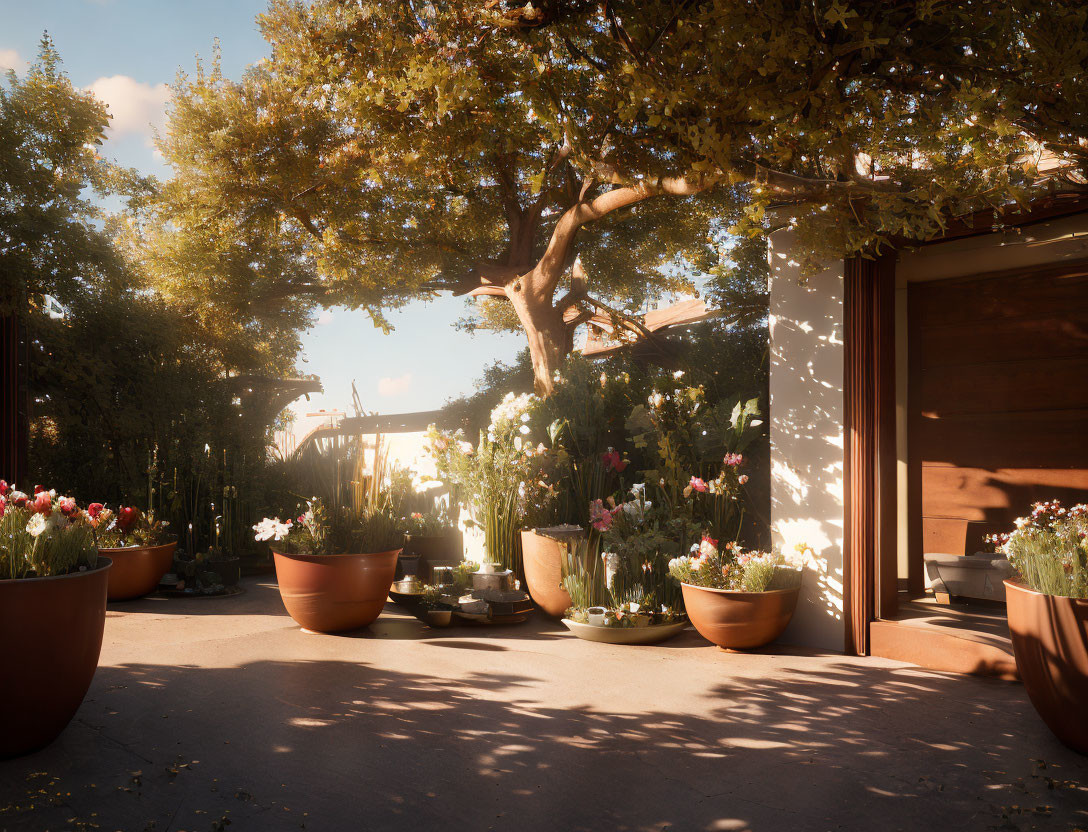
pixel 335 745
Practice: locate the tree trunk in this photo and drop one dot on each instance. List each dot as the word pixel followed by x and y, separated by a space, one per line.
pixel 550 338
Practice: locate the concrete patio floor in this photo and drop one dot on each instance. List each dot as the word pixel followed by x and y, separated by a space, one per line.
pixel 221 713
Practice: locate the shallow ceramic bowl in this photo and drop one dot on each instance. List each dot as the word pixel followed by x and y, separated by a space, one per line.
pixel 653 634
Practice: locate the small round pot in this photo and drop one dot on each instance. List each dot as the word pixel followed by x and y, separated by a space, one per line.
pixel 542 560
pixel 50 639
pixel 137 570
pixel 335 593
pixel 739 620
pixel 1050 640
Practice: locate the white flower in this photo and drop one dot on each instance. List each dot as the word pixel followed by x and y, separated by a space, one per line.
pixel 271 529
pixel 517 443
pixel 638 489
pixel 679 374
pixel 525 417
pixel 37 525
pixel 611 567
pixel 465 447
pixel 524 429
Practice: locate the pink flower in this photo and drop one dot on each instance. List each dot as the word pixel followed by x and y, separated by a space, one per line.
pixel 697 484
pixel 43 501
pixel 733 459
pixel 5 489
pixel 613 461
pixel 38 489
pixel 600 516
pixel 3 505
pixel 67 506
pixel 94 510
pixel 742 479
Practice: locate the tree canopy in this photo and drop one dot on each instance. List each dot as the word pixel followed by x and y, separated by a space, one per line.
pixel 390 150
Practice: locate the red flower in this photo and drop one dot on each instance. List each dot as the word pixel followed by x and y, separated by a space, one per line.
pixel 94 510
pixel 5 489
pixel 697 484
pixel 613 461
pixel 127 518
pixel 38 489
pixel 20 501
pixel 67 506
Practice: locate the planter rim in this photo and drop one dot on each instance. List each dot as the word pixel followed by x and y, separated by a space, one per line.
pixel 134 548
pixel 683 621
pixel 99 565
pixel 341 555
pixel 1023 587
pixel 736 592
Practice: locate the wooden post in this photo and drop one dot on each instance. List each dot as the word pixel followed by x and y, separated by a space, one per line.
pixel 869 431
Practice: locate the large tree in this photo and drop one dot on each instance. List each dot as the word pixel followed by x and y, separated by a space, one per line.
pixel 387 151
pixel 568 157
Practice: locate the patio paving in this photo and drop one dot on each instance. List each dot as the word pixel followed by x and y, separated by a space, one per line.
pixel 220 713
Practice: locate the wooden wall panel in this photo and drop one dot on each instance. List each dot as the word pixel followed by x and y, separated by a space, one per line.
pixel 997 398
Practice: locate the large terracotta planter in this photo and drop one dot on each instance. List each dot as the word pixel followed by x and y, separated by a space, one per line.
pixel 335 593
pixel 1050 640
pixel 739 620
pixel 543 564
pixel 50 638
pixel 137 570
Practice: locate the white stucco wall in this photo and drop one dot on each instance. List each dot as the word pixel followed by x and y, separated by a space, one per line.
pixel 806 415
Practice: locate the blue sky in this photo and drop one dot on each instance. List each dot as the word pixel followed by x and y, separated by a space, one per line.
pixel 128 52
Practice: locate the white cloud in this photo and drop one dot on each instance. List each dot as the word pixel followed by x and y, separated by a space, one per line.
pixel 395 386
pixel 9 59
pixel 136 107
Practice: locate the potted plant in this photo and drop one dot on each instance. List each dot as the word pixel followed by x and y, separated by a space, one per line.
pixel 737 599
pixel 501 479
pixel 138 546
pixel 626 595
pixel 1048 615
pixel 52 614
pixel 334 568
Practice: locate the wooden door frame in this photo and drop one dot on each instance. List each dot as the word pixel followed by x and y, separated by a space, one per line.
pixel 870 557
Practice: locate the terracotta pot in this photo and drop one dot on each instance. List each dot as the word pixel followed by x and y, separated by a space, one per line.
pixel 335 593
pixel 739 620
pixel 137 570
pixel 1050 640
pixel 50 638
pixel 542 560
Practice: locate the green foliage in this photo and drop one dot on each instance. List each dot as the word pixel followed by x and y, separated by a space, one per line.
pixel 138 397
pixel 733 568
pixel 51 242
pixel 1049 549
pixel 332 529
pixel 34 544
